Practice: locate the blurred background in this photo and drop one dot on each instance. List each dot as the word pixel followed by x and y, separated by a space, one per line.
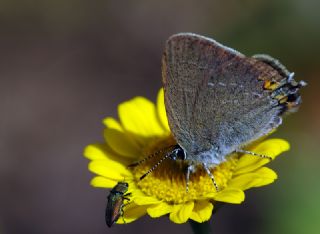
pixel 65 65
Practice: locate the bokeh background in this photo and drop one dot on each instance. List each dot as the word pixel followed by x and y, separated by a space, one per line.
pixel 65 65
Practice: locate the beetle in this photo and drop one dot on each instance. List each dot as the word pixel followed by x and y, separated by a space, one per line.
pixel 115 203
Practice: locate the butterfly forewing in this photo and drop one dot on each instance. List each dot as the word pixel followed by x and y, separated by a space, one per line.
pixel 214 97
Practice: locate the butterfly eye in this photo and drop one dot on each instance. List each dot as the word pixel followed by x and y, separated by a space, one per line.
pixel 178 153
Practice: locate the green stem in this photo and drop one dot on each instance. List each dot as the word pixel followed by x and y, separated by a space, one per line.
pixel 205 228
pixel 200 228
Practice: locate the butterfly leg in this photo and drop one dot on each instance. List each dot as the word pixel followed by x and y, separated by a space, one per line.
pixel 190 168
pixel 253 153
pixel 211 176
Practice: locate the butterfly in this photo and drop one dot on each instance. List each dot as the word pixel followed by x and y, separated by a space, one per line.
pixel 218 100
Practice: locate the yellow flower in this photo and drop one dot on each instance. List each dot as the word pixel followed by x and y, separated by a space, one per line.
pixel 142 130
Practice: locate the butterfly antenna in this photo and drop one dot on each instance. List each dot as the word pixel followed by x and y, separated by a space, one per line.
pixel 211 176
pixel 254 154
pixel 156 165
pixel 148 157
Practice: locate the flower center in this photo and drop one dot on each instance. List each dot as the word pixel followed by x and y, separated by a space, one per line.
pixel 167 181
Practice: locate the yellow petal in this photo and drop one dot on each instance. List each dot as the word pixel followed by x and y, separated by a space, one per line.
pixel 103 152
pixel 162 111
pixel 181 212
pixel 132 212
pixel 121 143
pixel 258 178
pixel 202 211
pixel 271 147
pixel 110 169
pixel 95 152
pixel 139 116
pixel 112 123
pixel 132 188
pixel 145 200
pixel 159 210
pixel 230 195
pixel 103 182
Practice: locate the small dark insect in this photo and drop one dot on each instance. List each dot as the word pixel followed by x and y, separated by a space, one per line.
pixel 115 203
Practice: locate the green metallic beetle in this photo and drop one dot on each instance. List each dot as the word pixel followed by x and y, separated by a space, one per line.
pixel 115 204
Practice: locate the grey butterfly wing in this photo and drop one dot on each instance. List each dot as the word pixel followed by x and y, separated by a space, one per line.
pixel 214 96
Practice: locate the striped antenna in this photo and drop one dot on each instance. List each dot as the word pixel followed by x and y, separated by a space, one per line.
pixel 156 165
pixel 149 157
